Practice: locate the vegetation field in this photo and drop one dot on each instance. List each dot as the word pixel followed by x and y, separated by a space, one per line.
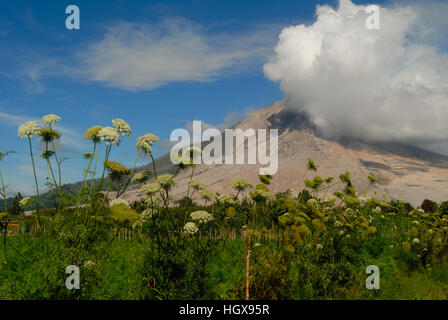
pixel 250 244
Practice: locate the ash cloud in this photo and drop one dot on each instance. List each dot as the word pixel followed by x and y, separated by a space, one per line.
pixel 387 85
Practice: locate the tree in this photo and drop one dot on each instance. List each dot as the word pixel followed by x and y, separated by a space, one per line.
pixel 429 206
pixel 16 208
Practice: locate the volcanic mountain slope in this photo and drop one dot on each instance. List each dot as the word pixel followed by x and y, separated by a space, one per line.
pixel 405 172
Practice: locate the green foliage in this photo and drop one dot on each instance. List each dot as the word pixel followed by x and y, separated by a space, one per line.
pixel 429 206
pixel 307 247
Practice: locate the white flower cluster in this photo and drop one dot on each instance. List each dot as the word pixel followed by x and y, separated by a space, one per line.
pixel 28 129
pixel 207 194
pixel 150 188
pixel 147 214
pixel 421 211
pixel 89 264
pixel 50 119
pixel 227 199
pixel 191 228
pixel 240 184
pixel 377 210
pixel 122 127
pixel 349 211
pixel 117 202
pixel 109 135
pixel 192 152
pixel 144 143
pixel 263 195
pixel 196 184
pixel 180 160
pixel 201 216
pixel 364 200
pixel 166 180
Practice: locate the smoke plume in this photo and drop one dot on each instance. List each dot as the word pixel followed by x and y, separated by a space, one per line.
pixel 389 84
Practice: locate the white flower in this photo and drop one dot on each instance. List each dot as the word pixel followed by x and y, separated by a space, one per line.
pixel 415 222
pixel 147 214
pixel 377 210
pixel 319 246
pixel 150 188
pixel 207 194
pixel 196 184
pixel 201 216
pixel 89 264
pixel 192 152
pixel 191 228
pixel 144 143
pixel 259 194
pixel 117 202
pixel 227 199
pixel 122 127
pixel 28 129
pixel 166 181
pixel 416 241
pixel 110 135
pixel 257 244
pixel 240 184
pixel 421 210
pixel 50 119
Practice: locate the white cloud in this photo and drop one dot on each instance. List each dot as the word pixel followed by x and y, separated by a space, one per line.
pixel 138 56
pixel 382 85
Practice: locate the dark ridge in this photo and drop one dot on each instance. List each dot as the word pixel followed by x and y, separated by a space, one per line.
pixel 292 120
pixel 376 165
pixel 434 158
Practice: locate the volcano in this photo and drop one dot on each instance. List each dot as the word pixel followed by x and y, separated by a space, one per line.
pixel 406 172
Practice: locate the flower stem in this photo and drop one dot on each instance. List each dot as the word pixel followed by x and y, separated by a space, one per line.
pixel 58 163
pixel 4 192
pixel 85 176
pixel 130 176
pixel 37 185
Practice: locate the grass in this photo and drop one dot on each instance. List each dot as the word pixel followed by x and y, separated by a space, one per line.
pixel 121 278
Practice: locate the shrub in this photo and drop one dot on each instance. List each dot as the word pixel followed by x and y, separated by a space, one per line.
pixel 429 206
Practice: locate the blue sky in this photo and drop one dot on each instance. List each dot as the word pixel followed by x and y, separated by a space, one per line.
pixel 208 65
